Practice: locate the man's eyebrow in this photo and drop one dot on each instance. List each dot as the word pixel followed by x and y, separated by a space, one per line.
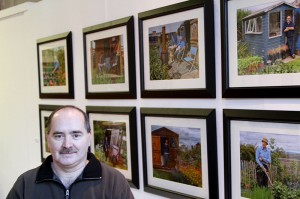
pixel 57 132
pixel 76 131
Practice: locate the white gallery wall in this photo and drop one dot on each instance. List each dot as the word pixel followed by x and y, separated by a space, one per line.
pixel 19 93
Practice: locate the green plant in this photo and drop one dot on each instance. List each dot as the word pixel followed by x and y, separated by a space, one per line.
pixel 240 15
pixel 247 152
pixel 261 193
pixel 249 65
pixel 281 191
pixel 243 50
pixel 279 67
pixel 158 71
pixel 295 64
pixel 257 193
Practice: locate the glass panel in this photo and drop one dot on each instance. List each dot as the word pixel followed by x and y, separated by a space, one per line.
pixel 259 24
pixel 274 24
pixel 254 25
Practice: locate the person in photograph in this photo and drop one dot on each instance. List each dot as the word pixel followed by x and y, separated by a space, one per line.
pixel 101 63
pixel 106 146
pixel 56 65
pixel 71 171
pixel 115 52
pixel 263 160
pixel 166 152
pixel 297 28
pixel 288 29
pixel 179 49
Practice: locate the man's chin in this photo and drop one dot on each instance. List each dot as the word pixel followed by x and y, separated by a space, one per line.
pixel 67 159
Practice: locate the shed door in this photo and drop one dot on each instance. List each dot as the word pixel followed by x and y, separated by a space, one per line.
pixel 156 150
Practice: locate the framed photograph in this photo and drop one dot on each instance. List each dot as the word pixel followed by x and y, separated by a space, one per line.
pixel 55 66
pixel 114 140
pixel 261 153
pixel 260 48
pixel 180 152
pixel 177 54
pixel 44 113
pixel 109 62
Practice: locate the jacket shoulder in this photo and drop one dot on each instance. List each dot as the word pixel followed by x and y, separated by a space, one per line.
pixel 27 178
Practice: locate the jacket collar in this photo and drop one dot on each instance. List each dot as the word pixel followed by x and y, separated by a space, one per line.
pixel 92 170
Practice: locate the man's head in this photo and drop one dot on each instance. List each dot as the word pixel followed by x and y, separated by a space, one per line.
pixel 180 38
pixel 288 19
pixel 68 136
pixel 264 142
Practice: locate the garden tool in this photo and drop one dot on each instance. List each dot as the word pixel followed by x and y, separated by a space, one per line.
pixel 268 178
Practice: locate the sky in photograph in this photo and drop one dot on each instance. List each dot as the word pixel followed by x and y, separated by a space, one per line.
pixel 172 27
pixel 187 136
pixel 102 39
pixel 290 143
pixel 265 5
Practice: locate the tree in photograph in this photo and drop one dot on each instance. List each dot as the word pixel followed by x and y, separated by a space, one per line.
pixel 247 152
pixel 277 153
pixel 240 15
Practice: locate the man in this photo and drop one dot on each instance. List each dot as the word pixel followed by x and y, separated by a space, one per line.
pixel 288 29
pixel 263 160
pixel 179 49
pixel 70 171
pixel 297 28
pixel 166 151
pixel 106 146
pixel 56 65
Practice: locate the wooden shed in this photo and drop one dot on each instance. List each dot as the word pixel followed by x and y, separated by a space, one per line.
pixel 159 136
pixel 262 29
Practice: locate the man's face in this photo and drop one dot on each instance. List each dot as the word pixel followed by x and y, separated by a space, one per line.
pixel 68 139
pixel 288 19
pixel 264 144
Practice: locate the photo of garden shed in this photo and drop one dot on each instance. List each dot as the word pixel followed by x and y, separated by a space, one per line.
pixel 261 41
pixel 262 29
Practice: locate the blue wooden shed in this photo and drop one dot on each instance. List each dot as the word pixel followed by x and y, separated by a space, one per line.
pixel 263 28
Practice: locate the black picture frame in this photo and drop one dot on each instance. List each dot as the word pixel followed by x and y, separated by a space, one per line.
pixel 256 88
pixel 162 115
pixel 131 113
pixel 207 90
pixel 57 82
pixel 108 33
pixel 45 111
pixel 267 125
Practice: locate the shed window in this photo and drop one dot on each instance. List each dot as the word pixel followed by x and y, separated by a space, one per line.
pixel 274 24
pixel 253 25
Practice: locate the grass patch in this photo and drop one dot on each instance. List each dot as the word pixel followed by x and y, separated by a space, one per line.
pixel 161 174
pixel 107 79
pixel 258 193
pixel 295 64
pixel 175 176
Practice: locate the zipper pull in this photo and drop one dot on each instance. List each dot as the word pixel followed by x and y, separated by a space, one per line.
pixel 67 194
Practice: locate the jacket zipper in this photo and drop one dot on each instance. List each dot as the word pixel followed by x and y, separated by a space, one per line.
pixel 67 194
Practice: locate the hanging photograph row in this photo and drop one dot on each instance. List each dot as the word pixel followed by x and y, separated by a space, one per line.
pixel 179 149
pixel 176 56
pixel 177 53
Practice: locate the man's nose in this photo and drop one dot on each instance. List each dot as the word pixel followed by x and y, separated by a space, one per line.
pixel 67 142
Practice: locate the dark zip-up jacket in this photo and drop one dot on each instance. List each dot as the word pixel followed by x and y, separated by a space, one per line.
pixel 96 181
